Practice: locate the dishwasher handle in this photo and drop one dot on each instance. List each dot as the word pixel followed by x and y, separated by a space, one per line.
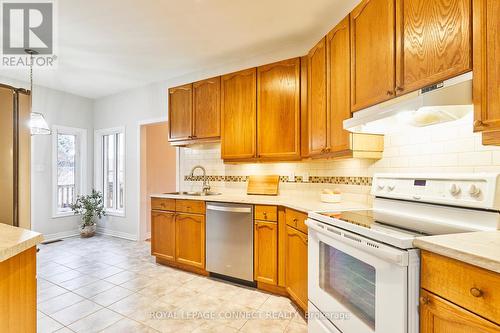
pixel 230 209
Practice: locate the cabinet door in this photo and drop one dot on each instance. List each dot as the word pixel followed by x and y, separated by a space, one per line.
pixel 190 239
pixel 180 110
pixel 433 42
pixel 296 266
pixel 278 110
pixel 486 81
pixel 338 85
pixel 239 114
pixel 266 252
pixel 163 235
pixel 372 53
pixel 206 108
pixel 438 315
pixel 317 116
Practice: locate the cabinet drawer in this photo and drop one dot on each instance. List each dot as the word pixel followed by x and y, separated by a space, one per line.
pixel 266 213
pixel 162 204
pixel 470 287
pixel 190 206
pixel 296 219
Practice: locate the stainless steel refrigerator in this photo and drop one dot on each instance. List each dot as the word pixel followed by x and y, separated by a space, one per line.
pixel 15 156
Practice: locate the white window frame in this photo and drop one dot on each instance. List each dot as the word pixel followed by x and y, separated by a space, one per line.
pixel 98 165
pixel 81 165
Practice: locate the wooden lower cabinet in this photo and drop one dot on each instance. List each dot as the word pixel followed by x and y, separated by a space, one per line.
pixel 266 252
pixel 296 266
pixel 18 293
pixel 440 316
pixel 163 235
pixel 190 239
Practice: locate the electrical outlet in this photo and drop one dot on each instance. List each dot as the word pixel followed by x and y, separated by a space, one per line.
pixel 291 177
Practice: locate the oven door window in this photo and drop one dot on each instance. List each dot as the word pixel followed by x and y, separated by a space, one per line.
pixel 349 280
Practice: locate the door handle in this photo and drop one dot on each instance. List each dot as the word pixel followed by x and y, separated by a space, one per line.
pixel 230 209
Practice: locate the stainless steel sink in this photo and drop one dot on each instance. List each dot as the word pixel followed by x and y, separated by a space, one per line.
pixel 199 194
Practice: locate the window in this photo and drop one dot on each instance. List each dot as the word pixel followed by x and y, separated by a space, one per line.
pixel 69 147
pixel 110 169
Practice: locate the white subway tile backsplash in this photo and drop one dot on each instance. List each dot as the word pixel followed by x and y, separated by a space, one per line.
pixel 449 147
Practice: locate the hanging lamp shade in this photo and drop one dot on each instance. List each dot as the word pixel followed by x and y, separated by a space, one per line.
pixel 38 124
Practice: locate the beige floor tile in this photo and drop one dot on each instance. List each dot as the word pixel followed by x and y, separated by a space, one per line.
pixel 211 327
pixel 127 325
pixel 201 284
pixel 173 326
pixel 94 288
pixel 106 272
pixel 179 296
pixel 265 325
pixel 296 328
pixel 76 312
pixel 122 277
pixel 130 304
pixel 58 303
pixel 138 283
pixel 96 322
pixel 50 292
pixel 158 289
pixel 48 325
pixel 64 330
pixel 42 284
pixel 111 296
pixel 78 282
pixel 58 278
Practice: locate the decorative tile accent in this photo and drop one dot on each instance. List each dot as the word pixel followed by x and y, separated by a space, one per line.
pixel 362 181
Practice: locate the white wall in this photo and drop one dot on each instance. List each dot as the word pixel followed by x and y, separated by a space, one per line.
pixel 64 109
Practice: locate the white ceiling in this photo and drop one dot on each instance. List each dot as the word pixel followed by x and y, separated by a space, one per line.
pixel 109 46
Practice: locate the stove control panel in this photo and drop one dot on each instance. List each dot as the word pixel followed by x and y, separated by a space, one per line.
pixel 474 190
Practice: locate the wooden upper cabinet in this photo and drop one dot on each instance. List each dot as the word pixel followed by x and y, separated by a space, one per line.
pixel 180 110
pixel 486 80
pixel 316 109
pixel 338 86
pixel 278 110
pixel 206 108
pixel 372 53
pixel 433 42
pixel 239 115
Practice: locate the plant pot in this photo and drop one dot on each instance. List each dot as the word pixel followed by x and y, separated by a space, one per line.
pixel 88 230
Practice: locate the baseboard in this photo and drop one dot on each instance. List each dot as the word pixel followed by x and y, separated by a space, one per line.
pixel 114 233
pixel 60 235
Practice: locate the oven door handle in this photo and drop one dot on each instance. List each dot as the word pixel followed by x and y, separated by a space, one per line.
pixel 372 247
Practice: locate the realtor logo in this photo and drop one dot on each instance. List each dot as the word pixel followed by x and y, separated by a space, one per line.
pixel 27 26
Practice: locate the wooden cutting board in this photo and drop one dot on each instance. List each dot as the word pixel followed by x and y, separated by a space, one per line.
pixel 263 185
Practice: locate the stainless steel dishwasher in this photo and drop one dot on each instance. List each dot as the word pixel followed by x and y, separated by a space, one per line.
pixel 229 240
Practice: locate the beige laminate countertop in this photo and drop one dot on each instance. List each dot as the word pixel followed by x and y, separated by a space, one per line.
pixel 15 240
pixel 303 203
pixel 480 249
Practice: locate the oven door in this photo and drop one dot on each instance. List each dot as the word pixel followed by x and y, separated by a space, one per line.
pixel 360 285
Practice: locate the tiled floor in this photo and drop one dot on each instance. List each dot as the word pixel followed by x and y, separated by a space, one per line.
pixel 106 284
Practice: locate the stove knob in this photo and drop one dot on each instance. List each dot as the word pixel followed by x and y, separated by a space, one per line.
pixel 474 191
pixel 380 186
pixel 454 189
pixel 391 187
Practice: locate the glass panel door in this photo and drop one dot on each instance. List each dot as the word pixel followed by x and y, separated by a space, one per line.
pixel 349 280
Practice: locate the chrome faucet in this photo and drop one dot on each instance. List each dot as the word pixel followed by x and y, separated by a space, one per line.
pixel 206 185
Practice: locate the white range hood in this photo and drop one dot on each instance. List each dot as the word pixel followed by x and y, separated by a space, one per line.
pixel 446 101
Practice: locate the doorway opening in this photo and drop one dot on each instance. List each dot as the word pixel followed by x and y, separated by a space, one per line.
pixel 158 169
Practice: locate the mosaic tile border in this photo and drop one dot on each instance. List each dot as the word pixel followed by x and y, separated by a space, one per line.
pixel 337 180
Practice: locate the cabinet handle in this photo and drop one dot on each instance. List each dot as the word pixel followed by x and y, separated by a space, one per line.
pixel 479 123
pixel 399 88
pixel 476 292
pixel 265 215
pixel 328 149
pixel 295 220
pixel 390 92
pixel 424 300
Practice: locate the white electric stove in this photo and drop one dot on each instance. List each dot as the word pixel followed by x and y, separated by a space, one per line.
pixel 363 269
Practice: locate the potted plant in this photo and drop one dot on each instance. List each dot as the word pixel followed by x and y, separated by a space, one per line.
pixel 91 208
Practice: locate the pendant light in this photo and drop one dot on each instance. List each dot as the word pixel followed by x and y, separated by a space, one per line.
pixel 38 125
